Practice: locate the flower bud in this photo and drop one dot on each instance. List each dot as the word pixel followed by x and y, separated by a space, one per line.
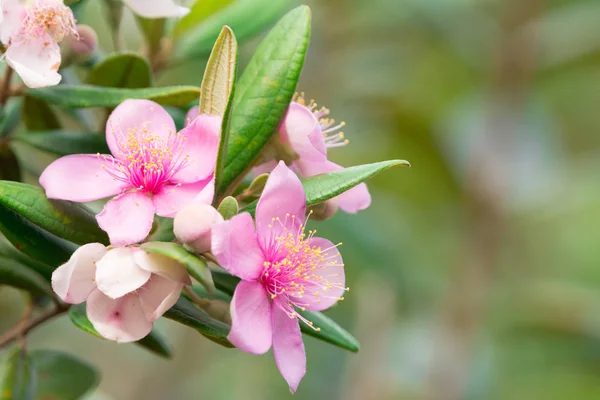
pixel 193 225
pixel 86 43
pixel 325 210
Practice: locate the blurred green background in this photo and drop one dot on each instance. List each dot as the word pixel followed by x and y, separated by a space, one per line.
pixel 474 274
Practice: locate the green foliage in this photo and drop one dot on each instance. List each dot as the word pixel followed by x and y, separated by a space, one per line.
pixel 13 273
pixel 83 96
pixel 263 94
pixel 37 115
pixel 17 376
pixel 122 70
pixel 62 142
pixel 228 207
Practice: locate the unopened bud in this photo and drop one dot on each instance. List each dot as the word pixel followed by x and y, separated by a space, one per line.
pixel 193 225
pixel 81 47
pixel 325 210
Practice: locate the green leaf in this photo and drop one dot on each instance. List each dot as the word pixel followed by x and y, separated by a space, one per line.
pixel 61 376
pixel 10 169
pixel 187 314
pixel 83 96
pixel 122 70
pixel 17 376
pixel 7 250
pixel 162 230
pixel 228 207
pixel 219 76
pixel 263 94
pixel 195 266
pixel 15 274
pixel 33 240
pixel 37 115
pixel 198 13
pixel 329 332
pixel 323 187
pixel 154 342
pixel 10 116
pixel 65 219
pixel 63 142
pixel 245 17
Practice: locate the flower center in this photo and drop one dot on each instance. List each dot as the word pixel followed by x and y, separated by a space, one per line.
pixel 49 17
pixel 145 160
pixel 297 273
pixel 329 128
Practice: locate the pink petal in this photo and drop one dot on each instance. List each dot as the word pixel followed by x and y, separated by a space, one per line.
pixel 191 115
pixel 283 195
pixel 158 295
pixel 201 146
pixel 117 273
pixel 325 293
pixel 156 8
pixel 288 348
pixel 36 60
pixel 264 168
pixel 75 280
pixel 235 245
pixel 137 116
pixel 251 329
pixel 122 320
pixel 161 265
pixel 169 199
pixel 80 177
pixel 127 218
pixel 12 14
pixel 302 130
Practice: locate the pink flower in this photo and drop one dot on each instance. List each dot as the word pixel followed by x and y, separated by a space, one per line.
pixel 31 34
pixel 126 289
pixel 308 133
pixel 156 8
pixel 282 268
pixel 153 169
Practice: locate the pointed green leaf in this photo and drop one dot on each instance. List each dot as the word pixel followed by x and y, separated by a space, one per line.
pixel 154 342
pixel 82 96
pixel 187 314
pixel 15 274
pixel 61 376
pixel 323 187
pixel 122 70
pixel 37 115
pixel 195 266
pixel 264 93
pixel 17 376
pixel 63 142
pixel 197 33
pixel 65 219
pixel 329 331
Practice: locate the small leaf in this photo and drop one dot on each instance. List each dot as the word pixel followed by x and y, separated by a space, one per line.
pixel 122 70
pixel 37 115
pixel 187 314
pixel 228 207
pixel 198 40
pixel 330 331
pixel 323 187
pixel 63 142
pixel 33 240
pixel 263 94
pixel 61 376
pixel 65 219
pixel 83 96
pixel 15 274
pixel 196 267
pixel 10 169
pixel 17 376
pixel 154 342
pixel 219 76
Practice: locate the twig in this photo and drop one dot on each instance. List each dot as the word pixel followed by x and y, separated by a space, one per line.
pixel 23 327
pixel 210 258
pixel 5 85
pixel 202 303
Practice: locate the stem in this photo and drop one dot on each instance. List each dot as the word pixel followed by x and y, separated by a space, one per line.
pixel 5 85
pixel 26 324
pixel 210 258
pixel 200 302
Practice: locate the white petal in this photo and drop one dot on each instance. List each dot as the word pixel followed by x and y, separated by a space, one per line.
pixel 117 274
pixel 12 14
pixel 36 61
pixel 158 295
pixel 163 266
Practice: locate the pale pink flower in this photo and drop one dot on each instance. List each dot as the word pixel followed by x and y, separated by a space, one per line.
pixel 152 169
pixel 157 8
pixel 193 225
pixel 31 34
pixel 126 288
pixel 282 268
pixel 309 132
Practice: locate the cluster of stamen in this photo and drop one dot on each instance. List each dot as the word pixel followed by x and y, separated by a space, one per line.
pixel 145 160
pixel 296 269
pixel 49 17
pixel 330 129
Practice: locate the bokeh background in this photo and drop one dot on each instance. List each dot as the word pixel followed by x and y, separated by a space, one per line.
pixel 475 274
